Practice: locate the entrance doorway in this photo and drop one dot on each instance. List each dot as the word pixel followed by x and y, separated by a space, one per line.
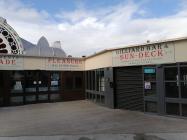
pixel 34 87
pixel 165 89
pixel 175 81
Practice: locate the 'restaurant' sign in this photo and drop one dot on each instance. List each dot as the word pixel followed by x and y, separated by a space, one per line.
pixel 142 55
pixel 11 62
pixel 64 64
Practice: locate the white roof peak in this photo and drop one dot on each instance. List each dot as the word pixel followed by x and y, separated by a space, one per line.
pixel 3 20
pixel 57 44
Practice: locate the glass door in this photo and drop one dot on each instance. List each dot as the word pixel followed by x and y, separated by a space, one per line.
pixel 36 86
pixel 172 92
pixel 55 86
pixel 43 86
pixel 176 89
pixel 150 92
pixel 31 86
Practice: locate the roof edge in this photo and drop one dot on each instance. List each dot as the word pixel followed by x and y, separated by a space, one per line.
pixel 135 45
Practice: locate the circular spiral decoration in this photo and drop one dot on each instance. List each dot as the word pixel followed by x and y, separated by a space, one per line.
pixel 13 43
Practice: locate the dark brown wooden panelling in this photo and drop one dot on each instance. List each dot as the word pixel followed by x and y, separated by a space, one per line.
pixel 70 92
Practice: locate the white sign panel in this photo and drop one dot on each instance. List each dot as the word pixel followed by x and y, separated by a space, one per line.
pixel 147 85
pixel 11 62
pixel 73 64
pixel 142 55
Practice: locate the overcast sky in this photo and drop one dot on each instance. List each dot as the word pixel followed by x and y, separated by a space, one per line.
pixel 88 26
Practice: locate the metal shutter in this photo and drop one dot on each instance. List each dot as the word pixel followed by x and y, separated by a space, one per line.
pixel 129 88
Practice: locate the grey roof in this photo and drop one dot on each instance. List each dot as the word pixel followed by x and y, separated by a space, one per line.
pixel 58 51
pixel 43 49
pixel 29 48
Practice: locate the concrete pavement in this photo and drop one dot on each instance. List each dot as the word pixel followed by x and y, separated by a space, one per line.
pixel 157 136
pixel 73 120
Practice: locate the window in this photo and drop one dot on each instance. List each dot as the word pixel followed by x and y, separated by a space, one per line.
pixel 183 74
pixel 172 109
pixel 171 89
pixel 55 81
pixel 171 82
pixel 16 100
pixel 43 97
pixel 55 97
pixel 87 80
pixel 17 81
pixel 30 98
pixel 93 80
pixel 171 74
pixel 100 80
pixel 96 82
pixel 149 74
pixel 150 77
pixel 151 91
pixel 150 81
pixel 184 89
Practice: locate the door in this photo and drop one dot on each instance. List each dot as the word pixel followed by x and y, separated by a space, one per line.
pixel 150 85
pixel 175 79
pixel 129 88
pixel 172 89
pixel 36 86
pixel 31 86
pixel 42 86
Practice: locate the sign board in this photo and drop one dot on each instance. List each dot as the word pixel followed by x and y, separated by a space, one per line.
pixel 57 64
pixel 147 85
pixel 11 62
pixel 141 55
pixel 149 70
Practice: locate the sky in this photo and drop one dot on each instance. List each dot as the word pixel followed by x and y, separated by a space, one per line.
pixel 85 27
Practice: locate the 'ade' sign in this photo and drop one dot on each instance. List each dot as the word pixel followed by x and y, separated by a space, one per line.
pixel 11 63
pixel 141 55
